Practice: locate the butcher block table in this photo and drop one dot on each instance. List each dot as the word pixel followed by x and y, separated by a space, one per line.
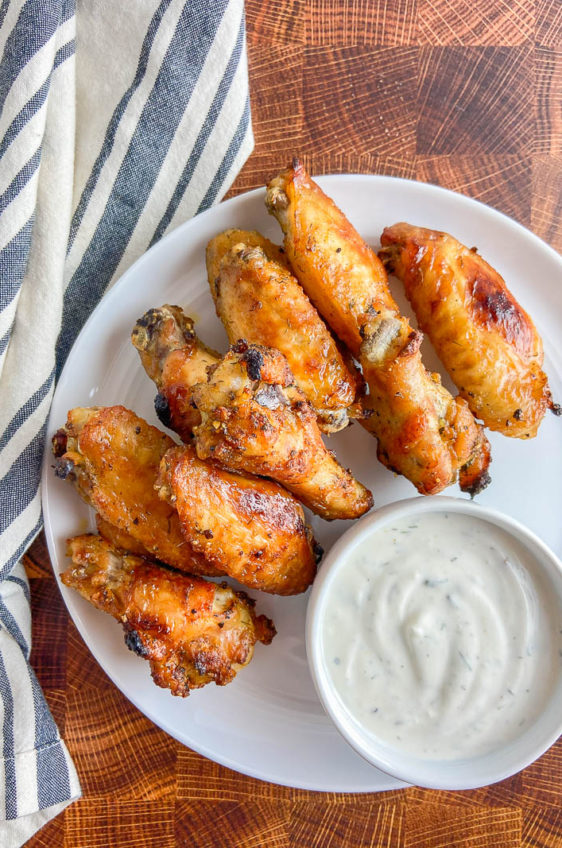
pixel 463 93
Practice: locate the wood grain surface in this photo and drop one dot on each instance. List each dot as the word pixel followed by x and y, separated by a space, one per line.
pixel 463 93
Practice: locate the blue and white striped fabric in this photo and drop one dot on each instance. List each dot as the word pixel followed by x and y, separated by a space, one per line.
pixel 118 121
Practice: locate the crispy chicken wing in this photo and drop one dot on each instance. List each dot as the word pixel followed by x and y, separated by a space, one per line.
pixel 290 450
pixel 343 277
pixel 191 631
pixel 255 419
pixel 175 359
pixel 422 432
pixel 486 341
pixel 113 457
pixel 252 529
pixel 258 299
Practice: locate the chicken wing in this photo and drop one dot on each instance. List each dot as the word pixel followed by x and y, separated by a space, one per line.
pixel 191 631
pixel 486 341
pixel 255 419
pixel 252 529
pixel 113 457
pixel 175 359
pixel 422 431
pixel 258 299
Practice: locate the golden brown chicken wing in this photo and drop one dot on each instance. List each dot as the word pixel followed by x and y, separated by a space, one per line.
pixel 191 631
pixel 343 277
pixel 113 458
pixel 255 419
pixel 486 341
pixel 252 529
pixel 258 299
pixel 175 359
pixel 422 431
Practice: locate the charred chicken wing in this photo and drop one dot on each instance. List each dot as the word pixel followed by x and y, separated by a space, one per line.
pixel 486 341
pixel 251 529
pixel 258 299
pixel 191 631
pixel 422 431
pixel 175 359
pixel 255 419
pixel 113 458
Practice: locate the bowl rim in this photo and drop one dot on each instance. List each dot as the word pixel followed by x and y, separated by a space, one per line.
pixel 433 774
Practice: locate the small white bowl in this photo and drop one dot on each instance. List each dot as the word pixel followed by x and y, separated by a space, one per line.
pixel 469 772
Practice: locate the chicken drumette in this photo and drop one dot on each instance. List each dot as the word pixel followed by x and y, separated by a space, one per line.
pixel 191 631
pixel 175 359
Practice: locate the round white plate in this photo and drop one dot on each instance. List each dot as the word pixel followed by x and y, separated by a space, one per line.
pixel 269 723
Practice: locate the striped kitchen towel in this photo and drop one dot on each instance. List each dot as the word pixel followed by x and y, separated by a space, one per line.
pixel 118 122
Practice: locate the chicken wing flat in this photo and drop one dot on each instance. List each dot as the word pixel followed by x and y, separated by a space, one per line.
pixel 422 431
pixel 113 458
pixel 255 419
pixel 486 341
pixel 191 631
pixel 175 359
pixel 258 299
pixel 251 529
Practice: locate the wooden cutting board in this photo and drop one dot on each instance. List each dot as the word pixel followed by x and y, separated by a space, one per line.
pixel 464 93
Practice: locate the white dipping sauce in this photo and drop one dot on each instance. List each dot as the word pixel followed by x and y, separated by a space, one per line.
pixel 440 638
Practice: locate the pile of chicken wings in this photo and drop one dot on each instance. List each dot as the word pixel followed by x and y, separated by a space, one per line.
pixel 316 342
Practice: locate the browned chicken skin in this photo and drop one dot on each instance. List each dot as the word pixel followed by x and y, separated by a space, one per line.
pixel 255 419
pixel 486 341
pixel 422 431
pixel 252 529
pixel 175 359
pixel 120 539
pixel 221 244
pixel 258 299
pixel 191 631
pixel 426 433
pixel 113 458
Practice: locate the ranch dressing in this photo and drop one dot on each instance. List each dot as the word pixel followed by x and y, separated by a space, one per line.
pixel 440 638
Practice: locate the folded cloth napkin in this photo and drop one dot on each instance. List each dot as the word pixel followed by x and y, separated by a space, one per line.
pixel 118 121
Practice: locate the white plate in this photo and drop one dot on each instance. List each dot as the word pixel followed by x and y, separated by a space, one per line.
pixel 269 723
